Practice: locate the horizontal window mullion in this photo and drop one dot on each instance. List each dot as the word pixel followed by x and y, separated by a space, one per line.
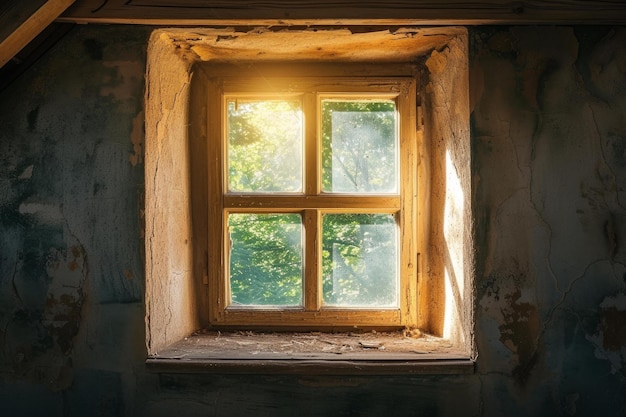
pixel 282 317
pixel 292 203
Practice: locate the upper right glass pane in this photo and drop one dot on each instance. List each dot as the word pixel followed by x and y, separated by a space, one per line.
pixel 359 146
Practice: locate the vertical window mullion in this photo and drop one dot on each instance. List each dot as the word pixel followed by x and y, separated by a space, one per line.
pixel 312 282
pixel 311 159
pixel 311 218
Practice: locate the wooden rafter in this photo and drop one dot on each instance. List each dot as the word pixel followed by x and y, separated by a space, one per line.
pixel 29 26
pixel 356 12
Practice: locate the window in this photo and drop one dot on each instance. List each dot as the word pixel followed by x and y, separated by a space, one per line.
pixel 312 198
pixel 194 76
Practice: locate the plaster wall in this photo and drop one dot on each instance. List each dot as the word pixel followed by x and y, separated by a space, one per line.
pixel 549 176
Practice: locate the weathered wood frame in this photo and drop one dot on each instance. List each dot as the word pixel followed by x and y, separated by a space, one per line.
pixel 401 87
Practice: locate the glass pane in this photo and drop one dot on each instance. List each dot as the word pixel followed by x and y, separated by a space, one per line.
pixel 359 260
pixel 359 146
pixel 264 145
pixel 265 259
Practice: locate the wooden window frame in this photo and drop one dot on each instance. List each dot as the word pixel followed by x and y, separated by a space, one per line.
pixel 309 85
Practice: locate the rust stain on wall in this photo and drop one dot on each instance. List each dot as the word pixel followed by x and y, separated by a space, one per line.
pixel 519 326
pixel 609 339
pixel 62 314
pixel 613 326
pixel 38 337
pixel 520 333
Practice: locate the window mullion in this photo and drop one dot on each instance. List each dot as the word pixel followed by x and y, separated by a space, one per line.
pixel 312 280
pixel 311 159
pixel 311 217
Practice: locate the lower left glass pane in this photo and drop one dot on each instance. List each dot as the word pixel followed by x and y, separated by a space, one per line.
pixel 265 259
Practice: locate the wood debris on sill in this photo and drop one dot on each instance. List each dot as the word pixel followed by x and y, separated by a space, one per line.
pixel 248 344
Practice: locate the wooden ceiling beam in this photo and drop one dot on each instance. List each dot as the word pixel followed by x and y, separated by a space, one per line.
pixel 346 12
pixel 29 26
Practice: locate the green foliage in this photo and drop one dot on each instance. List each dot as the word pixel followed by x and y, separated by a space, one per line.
pixel 266 259
pixel 359 259
pixel 264 146
pixel 359 146
pixel 265 154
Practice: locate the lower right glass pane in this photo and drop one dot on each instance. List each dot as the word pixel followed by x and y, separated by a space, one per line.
pixel 360 260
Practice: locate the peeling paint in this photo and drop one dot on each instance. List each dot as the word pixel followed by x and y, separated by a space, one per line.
pixel 27 173
pixel 518 324
pixel 39 340
pixel 46 212
pixel 436 63
pixel 610 337
pixel 520 333
pixel 549 166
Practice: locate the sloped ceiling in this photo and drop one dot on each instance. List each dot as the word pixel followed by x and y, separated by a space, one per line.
pixel 22 21
pixel 23 59
pixel 27 30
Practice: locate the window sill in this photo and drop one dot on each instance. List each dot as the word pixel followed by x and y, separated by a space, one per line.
pixel 311 354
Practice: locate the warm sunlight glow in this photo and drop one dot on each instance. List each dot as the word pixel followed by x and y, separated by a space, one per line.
pixel 265 144
pixel 453 233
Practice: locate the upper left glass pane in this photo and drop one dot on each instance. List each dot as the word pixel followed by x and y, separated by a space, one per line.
pixel 265 145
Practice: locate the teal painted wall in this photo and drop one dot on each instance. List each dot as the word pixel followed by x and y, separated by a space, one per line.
pixel 549 167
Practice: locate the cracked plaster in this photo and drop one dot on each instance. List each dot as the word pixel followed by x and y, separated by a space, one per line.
pixel 549 175
pixel 553 221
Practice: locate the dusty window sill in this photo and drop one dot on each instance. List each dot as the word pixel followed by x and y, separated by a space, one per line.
pixel 311 354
